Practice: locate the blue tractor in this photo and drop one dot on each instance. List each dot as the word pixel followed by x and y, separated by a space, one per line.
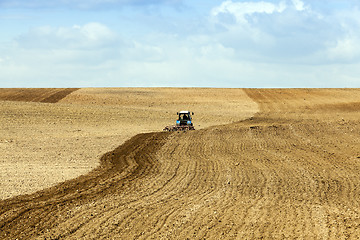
pixel 183 123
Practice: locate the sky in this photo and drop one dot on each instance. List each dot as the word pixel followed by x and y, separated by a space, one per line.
pixel 180 43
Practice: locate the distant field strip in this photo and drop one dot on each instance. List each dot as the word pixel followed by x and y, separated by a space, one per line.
pixel 45 95
pixel 291 171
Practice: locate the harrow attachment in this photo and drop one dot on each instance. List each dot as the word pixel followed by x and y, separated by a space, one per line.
pixel 183 123
pixel 178 128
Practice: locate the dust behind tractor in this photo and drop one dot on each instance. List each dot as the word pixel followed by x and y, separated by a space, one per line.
pixel 183 123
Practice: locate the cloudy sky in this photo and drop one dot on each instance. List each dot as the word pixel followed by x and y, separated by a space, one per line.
pixel 179 43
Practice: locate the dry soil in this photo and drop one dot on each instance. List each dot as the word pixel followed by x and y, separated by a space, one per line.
pixel 289 171
pixel 43 144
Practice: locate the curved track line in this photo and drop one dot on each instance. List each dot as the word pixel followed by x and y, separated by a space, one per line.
pixel 289 172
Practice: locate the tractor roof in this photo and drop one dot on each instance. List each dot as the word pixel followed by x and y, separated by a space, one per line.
pixel 182 112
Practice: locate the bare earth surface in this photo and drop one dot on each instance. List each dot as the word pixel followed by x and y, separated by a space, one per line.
pixel 44 144
pixel 44 95
pixel 290 171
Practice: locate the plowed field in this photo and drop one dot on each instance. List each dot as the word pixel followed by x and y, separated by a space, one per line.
pixel 42 144
pixel 45 95
pixel 290 171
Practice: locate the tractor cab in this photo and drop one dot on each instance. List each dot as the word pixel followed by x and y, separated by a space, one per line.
pixel 183 123
pixel 184 118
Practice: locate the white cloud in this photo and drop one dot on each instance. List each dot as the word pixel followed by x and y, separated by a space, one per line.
pixel 343 46
pixel 346 50
pixel 241 9
pixel 287 32
pixel 141 52
pixel 216 50
pixel 269 43
pixel 96 32
pixel 87 36
pixel 299 5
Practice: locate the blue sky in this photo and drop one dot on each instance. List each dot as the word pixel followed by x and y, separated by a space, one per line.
pixel 179 43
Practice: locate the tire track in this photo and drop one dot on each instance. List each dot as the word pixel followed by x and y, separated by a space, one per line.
pixel 85 186
pixel 44 95
pixel 291 171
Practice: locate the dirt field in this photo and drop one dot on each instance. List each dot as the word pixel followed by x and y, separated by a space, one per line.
pixel 44 144
pixel 44 95
pixel 290 171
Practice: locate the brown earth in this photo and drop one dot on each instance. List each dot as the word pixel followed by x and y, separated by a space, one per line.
pixel 45 95
pixel 44 144
pixel 291 171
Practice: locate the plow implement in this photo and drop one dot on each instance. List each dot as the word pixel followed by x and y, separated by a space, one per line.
pixel 178 128
pixel 183 123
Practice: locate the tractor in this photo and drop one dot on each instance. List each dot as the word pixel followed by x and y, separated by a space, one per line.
pixel 183 123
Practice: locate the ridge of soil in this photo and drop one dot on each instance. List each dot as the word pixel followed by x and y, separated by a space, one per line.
pixel 116 172
pixel 291 171
pixel 44 95
pixel 45 144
